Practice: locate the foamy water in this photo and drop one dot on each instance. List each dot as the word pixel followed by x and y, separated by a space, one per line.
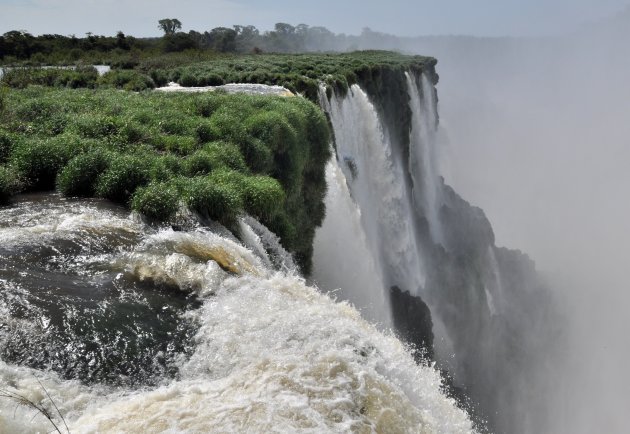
pixel 269 353
pixel 248 88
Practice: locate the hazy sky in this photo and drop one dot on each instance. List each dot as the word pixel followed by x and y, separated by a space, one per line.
pixel 401 17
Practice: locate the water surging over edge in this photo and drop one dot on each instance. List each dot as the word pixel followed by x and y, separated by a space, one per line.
pixel 270 354
pixel 423 165
pixel 376 192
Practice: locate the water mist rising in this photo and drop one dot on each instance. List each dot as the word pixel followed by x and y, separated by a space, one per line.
pixel 538 138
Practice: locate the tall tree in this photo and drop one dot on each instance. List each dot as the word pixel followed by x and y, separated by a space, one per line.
pixel 169 25
pixel 222 39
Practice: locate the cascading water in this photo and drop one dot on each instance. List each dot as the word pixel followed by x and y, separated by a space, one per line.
pixel 375 180
pixel 476 306
pixel 342 260
pixel 422 155
pixel 236 345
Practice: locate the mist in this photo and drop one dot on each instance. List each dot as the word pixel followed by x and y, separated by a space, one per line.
pixel 537 135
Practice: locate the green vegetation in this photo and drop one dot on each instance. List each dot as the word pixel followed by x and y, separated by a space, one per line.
pixel 59 77
pixel 169 25
pixel 220 155
pixel 300 73
pixel 127 80
pixel 79 77
pixel 18 47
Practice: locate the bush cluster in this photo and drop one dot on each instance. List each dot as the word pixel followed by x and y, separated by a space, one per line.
pixel 9 184
pixel 57 77
pixel 126 79
pixel 218 154
pixel 77 77
pixel 300 73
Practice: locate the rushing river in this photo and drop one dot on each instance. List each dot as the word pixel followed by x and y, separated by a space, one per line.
pixel 131 328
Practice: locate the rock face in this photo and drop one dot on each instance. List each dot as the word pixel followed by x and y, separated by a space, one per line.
pixel 412 319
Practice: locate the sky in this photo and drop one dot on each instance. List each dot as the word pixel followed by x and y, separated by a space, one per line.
pixel 400 17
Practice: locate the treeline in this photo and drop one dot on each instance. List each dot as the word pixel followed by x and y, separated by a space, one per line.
pixel 21 47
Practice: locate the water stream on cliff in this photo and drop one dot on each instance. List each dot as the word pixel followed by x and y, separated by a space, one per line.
pixel 423 163
pixel 132 328
pixel 374 176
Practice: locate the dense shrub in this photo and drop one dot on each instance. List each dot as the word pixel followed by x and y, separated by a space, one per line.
pixel 226 155
pixel 123 176
pixel 39 161
pixel 181 145
pixel 219 201
pixel 35 110
pixel 258 157
pixel 79 77
pixel 127 80
pixel 78 177
pixel 211 79
pixel 165 167
pixel 158 201
pixel 59 77
pixel 224 124
pixel 9 184
pixel 205 132
pixel 97 126
pixel 176 123
pixel 199 163
pixel 3 96
pixel 219 154
pixel 6 145
pixel 300 73
pixel 263 196
pixel 206 105
pixel 132 132
pixel 159 77
pixel 188 80
pixel 273 129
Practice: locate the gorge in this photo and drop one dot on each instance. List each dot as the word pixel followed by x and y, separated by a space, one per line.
pixel 197 326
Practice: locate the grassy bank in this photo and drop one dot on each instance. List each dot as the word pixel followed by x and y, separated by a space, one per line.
pixel 300 73
pixel 219 154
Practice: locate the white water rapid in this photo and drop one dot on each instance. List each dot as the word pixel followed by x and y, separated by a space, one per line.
pixel 268 353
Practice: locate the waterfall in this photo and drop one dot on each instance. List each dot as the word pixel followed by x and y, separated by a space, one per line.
pixel 375 180
pixel 496 294
pixel 342 260
pixel 393 226
pixel 267 244
pixel 422 154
